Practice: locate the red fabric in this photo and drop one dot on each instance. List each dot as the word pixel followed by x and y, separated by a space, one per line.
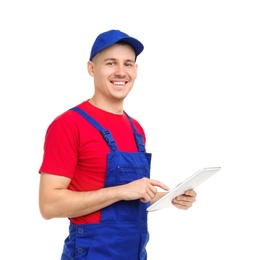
pixel 75 149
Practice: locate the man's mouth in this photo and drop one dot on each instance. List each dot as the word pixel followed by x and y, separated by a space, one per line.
pixel 119 83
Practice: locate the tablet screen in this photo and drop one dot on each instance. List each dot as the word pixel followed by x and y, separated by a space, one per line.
pixel 191 183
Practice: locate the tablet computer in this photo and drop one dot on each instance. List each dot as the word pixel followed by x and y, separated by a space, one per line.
pixel 191 183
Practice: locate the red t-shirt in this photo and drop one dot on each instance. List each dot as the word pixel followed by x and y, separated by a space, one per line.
pixel 75 149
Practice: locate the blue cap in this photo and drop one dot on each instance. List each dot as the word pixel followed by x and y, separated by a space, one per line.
pixel 106 39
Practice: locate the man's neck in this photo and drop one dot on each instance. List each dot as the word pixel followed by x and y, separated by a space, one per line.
pixel 115 107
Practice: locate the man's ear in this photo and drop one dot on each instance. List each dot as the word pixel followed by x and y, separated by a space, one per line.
pixel 91 68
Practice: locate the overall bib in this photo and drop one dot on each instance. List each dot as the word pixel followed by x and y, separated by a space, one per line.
pixel 122 233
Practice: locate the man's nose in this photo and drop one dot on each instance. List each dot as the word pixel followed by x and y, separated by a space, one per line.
pixel 120 70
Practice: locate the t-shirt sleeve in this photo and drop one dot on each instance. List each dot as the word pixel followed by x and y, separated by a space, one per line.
pixel 60 148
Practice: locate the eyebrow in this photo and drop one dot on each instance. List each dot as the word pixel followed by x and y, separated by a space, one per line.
pixel 113 59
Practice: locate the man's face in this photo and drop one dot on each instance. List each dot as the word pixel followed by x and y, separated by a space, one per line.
pixel 114 71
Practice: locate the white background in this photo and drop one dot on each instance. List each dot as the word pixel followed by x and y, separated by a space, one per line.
pixel 196 95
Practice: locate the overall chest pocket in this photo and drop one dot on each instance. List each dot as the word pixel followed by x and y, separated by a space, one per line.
pixel 133 210
pixel 126 174
pixel 124 168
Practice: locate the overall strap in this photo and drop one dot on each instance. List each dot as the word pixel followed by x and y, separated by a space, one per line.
pixel 104 132
pixel 138 137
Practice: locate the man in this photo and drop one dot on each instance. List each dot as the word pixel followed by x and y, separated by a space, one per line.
pixel 95 169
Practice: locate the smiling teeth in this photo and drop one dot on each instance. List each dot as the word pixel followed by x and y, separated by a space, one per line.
pixel 119 83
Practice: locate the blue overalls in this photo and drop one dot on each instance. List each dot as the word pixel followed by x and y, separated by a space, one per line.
pixel 122 233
